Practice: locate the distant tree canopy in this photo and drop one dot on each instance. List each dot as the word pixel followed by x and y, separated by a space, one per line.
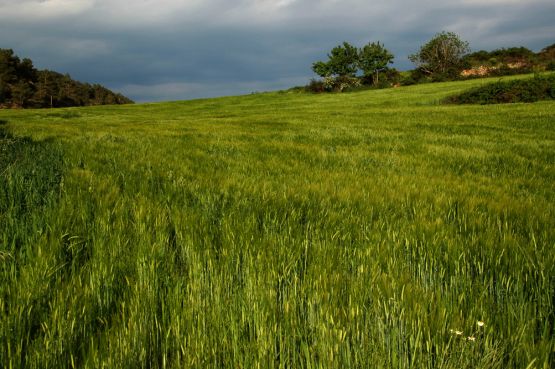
pixel 443 58
pixel 500 56
pixel 547 53
pixel 442 55
pixel 23 86
pixel 547 56
pixel 374 58
pixel 344 61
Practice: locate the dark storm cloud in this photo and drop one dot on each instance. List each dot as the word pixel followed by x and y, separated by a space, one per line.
pixel 166 50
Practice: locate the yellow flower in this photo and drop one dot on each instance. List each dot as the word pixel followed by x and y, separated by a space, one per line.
pixel 480 323
pixel 471 338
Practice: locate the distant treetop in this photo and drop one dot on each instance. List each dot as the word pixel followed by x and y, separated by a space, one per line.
pixel 442 55
pixel 23 86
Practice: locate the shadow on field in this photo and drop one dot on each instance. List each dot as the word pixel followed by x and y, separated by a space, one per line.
pixel 3 131
pixel 30 183
pixel 30 171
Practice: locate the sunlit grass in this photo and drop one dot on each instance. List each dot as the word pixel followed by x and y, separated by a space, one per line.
pixel 282 230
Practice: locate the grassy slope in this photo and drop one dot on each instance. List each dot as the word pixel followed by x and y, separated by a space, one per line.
pixel 281 230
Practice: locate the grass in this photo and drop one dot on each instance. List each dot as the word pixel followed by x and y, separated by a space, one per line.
pixel 358 230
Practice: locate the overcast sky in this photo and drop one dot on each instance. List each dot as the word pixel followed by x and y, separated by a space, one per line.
pixel 154 50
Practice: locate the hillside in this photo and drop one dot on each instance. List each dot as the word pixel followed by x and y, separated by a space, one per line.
pixel 23 86
pixel 377 229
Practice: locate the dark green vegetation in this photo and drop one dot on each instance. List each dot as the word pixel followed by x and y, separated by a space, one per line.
pixel 438 62
pixel 342 61
pixel 520 58
pixel 445 57
pixel 23 86
pixel 374 59
pixel 521 90
pixel 345 61
pixel 441 57
pixel 356 230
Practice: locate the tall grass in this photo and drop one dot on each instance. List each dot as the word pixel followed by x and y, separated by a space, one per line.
pixel 364 230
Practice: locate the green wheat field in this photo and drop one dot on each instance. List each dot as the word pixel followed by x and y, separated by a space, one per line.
pixel 374 229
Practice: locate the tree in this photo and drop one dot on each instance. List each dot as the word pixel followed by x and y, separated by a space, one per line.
pixel 24 89
pixel 26 70
pixel 8 74
pixel 548 53
pixel 22 93
pixel 343 60
pixel 46 89
pixel 320 68
pixel 373 59
pixel 442 55
pixel 21 85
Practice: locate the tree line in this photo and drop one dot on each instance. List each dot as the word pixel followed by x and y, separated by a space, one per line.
pixel 23 86
pixel 445 57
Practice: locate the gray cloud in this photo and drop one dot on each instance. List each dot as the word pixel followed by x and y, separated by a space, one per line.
pixel 168 49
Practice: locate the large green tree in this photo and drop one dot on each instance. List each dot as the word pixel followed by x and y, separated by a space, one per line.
pixel 342 62
pixel 374 58
pixel 442 55
pixel 321 68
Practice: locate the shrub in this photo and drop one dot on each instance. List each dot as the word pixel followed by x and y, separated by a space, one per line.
pixel 528 90
pixel 342 83
pixel 333 84
pixel 505 70
pixel 391 77
pixel 315 86
pixel 388 78
pixel 416 76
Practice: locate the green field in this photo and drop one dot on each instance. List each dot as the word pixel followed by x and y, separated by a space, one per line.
pixel 280 230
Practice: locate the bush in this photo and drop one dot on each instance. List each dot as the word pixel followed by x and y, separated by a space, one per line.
pixel 528 90
pixel 416 76
pixel 342 83
pixel 550 66
pixel 333 84
pixel 315 86
pixel 505 70
pixel 388 78
pixel 449 75
pixel 391 77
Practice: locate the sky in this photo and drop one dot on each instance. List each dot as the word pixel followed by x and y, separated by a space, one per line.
pixel 161 50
